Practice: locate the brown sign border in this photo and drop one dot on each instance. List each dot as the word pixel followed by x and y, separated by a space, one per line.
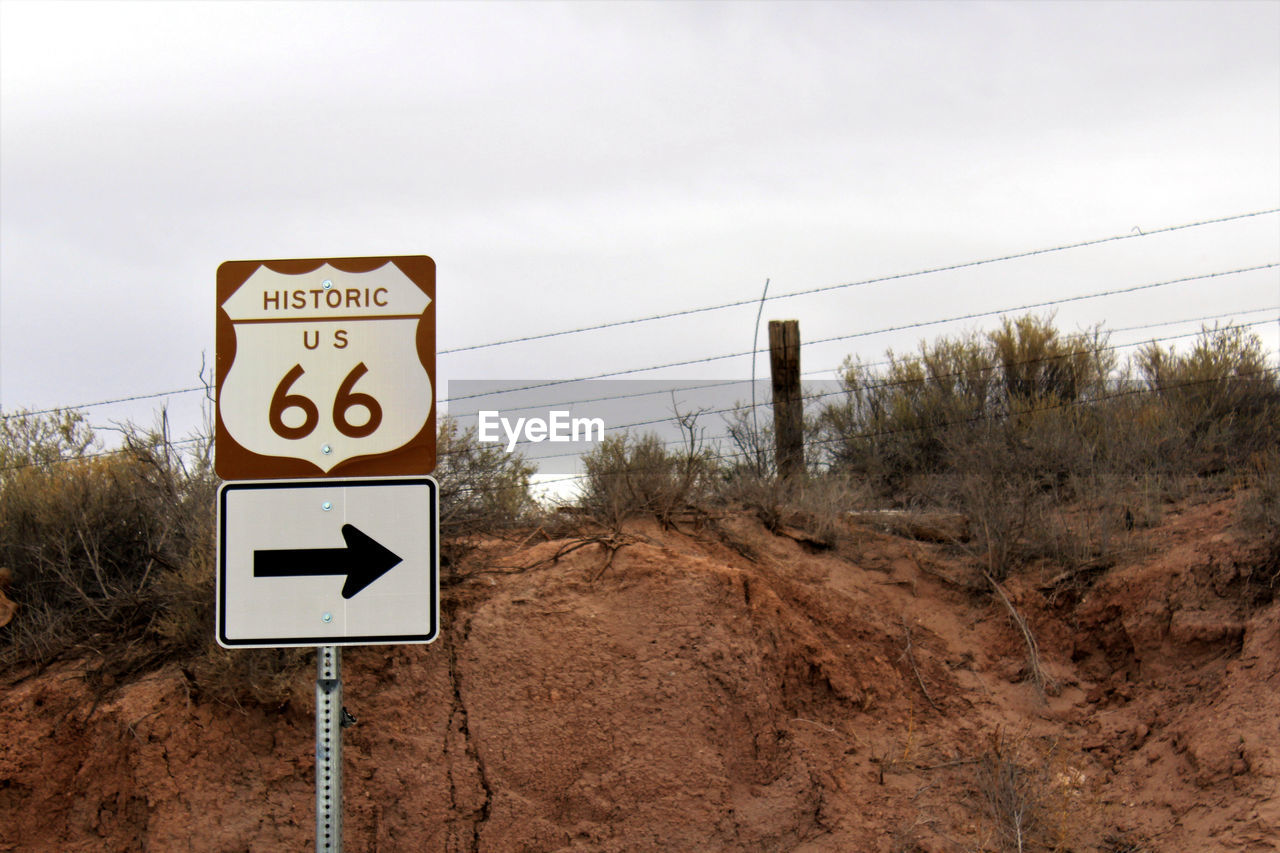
pixel 417 457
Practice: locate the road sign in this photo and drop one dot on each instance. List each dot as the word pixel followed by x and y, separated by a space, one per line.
pixel 328 562
pixel 325 368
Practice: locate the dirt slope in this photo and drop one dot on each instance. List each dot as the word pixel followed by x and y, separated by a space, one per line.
pixel 720 688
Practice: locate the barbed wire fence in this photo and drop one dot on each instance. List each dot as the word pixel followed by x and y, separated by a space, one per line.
pixel 202 441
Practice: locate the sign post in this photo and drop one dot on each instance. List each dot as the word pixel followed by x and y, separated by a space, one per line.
pixel 329 725
pixel 325 431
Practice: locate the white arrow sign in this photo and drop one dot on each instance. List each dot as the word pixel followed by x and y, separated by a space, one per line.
pixel 328 562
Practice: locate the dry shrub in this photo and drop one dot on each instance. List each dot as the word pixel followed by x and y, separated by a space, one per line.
pixel 1262 509
pixel 905 421
pixel 483 489
pixel 68 534
pixel 30 440
pixel 1261 515
pixel 1012 478
pixel 817 504
pixel 1089 530
pixel 750 431
pixel 1034 798
pixel 993 484
pixel 1040 489
pixel 890 427
pixel 1041 440
pixel 629 475
pixel 98 543
pixel 1222 394
pixel 1038 365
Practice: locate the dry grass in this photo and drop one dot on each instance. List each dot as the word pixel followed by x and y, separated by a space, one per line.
pixel 1034 798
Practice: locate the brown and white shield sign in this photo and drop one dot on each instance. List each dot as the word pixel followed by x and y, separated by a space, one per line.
pixel 326 368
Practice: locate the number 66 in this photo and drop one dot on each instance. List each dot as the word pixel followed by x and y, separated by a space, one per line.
pixel 282 400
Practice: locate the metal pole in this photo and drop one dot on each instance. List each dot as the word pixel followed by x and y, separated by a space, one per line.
pixel 755 421
pixel 328 750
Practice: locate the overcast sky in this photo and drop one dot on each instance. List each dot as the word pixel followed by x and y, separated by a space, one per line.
pixel 574 163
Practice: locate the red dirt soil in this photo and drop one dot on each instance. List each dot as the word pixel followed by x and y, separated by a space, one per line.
pixel 719 687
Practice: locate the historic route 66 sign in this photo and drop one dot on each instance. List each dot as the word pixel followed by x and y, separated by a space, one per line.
pixel 326 368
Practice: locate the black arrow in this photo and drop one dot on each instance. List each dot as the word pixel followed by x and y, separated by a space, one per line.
pixel 363 561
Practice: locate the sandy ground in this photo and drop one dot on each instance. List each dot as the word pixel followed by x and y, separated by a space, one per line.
pixel 718 687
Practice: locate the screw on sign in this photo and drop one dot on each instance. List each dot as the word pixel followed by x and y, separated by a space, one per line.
pixel 326 368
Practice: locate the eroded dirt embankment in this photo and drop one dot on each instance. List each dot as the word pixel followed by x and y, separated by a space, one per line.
pixel 716 687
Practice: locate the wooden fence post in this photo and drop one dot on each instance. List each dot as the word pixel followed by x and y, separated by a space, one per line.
pixel 788 407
